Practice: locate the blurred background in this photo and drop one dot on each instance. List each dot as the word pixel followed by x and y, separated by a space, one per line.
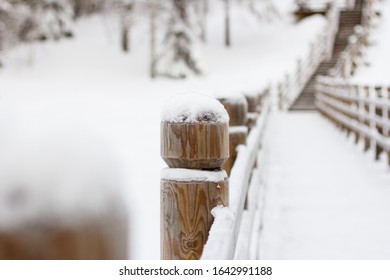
pixel 81 86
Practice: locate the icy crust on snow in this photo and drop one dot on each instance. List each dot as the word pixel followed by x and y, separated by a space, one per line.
pixel 53 174
pixel 193 108
pixel 191 175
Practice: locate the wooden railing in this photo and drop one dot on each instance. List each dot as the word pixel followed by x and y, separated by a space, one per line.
pixel 199 203
pixel 352 56
pixel 321 49
pixel 362 110
pixel 370 12
pixel 236 225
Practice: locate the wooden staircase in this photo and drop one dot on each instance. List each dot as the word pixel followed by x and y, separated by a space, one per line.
pixel 348 20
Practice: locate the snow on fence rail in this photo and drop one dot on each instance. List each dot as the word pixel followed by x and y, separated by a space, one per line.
pixel 195 188
pixel 321 49
pixel 236 225
pixel 362 110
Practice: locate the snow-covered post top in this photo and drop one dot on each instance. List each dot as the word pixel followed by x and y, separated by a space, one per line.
pixel 194 132
pixel 236 106
pixel 194 144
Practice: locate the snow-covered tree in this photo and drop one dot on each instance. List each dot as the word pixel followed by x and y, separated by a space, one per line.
pixel 126 9
pixel 227 22
pixel 200 8
pixel 153 39
pixel 263 9
pixel 178 57
pixel 87 7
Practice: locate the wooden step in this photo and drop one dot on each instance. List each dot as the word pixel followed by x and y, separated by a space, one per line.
pixel 347 23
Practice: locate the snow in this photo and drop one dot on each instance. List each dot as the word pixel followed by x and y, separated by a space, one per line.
pixel 238 129
pixel 87 80
pixel 54 171
pixel 193 108
pixel 377 54
pixel 326 198
pixel 223 226
pixel 192 175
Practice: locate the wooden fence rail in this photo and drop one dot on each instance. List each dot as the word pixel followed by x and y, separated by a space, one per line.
pixel 352 56
pixel 236 224
pixel 200 204
pixel 362 110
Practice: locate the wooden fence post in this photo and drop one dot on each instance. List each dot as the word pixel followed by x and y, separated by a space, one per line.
pixel 299 72
pixel 199 143
pixel 378 113
pixel 355 92
pixel 237 108
pixel 253 99
pixel 365 95
pixel 372 96
pixel 386 117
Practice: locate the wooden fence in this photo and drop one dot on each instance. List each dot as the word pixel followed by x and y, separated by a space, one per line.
pixel 352 57
pixel 362 110
pixel 359 109
pixel 237 226
pixel 219 226
pixel 321 49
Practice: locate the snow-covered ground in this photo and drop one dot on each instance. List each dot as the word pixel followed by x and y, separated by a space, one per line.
pixel 378 56
pixel 87 81
pixel 326 198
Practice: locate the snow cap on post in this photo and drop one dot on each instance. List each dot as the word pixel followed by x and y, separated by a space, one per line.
pixel 236 105
pixel 193 108
pixel 194 132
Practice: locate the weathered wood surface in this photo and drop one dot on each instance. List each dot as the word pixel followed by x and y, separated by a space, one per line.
pixel 194 146
pixel 236 137
pixel 186 216
pixel 224 232
pixel 237 111
pixel 104 241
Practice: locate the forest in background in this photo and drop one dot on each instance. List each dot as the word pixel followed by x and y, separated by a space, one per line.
pixel 175 26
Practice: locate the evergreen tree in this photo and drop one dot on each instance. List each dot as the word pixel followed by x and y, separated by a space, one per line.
pixel 178 57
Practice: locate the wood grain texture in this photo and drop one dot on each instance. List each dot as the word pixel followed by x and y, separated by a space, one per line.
pixel 235 139
pixel 94 240
pixel 237 111
pixel 186 216
pixel 194 146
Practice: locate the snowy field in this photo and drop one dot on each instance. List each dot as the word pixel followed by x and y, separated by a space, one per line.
pixel 378 56
pixel 87 82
